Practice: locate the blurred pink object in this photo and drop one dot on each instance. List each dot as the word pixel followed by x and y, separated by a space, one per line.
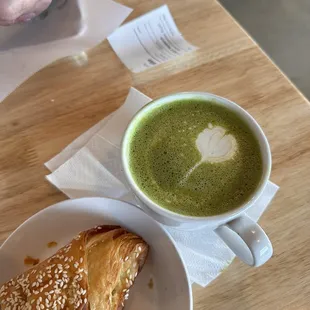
pixel 17 11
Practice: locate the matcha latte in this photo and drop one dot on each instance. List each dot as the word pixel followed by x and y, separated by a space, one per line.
pixel 195 157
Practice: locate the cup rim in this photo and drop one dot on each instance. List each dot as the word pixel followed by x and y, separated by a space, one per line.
pixel 264 147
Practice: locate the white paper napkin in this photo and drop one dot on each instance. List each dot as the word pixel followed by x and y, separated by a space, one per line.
pixel 91 166
pixel 95 21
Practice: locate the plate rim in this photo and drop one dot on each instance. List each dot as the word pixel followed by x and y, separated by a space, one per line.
pixel 189 286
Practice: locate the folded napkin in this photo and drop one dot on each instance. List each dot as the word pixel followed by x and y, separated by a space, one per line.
pixel 91 166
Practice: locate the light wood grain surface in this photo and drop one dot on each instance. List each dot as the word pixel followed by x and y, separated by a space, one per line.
pixel 63 100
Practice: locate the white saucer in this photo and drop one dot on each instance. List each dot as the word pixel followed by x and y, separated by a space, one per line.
pixel 61 222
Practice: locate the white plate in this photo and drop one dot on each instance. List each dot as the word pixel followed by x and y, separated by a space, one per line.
pixel 61 222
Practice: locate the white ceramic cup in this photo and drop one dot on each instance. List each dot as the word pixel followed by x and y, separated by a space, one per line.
pixel 243 236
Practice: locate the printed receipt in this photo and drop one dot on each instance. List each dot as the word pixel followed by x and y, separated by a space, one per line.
pixel 149 40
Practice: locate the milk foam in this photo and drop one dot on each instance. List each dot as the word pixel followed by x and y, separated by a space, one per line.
pixel 215 146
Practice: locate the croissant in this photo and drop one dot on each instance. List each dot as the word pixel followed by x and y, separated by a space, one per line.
pixel 94 271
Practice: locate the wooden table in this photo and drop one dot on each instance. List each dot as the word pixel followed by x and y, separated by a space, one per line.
pixel 63 100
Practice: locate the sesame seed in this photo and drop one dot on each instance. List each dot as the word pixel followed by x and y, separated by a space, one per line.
pixel 136 273
pixel 139 249
pixel 126 258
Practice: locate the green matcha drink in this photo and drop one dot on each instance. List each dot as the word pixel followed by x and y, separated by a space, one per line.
pixel 195 157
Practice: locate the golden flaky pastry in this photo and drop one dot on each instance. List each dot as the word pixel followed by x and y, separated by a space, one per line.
pixel 93 272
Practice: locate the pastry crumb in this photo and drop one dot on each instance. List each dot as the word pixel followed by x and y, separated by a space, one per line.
pixel 52 244
pixel 151 284
pixel 30 261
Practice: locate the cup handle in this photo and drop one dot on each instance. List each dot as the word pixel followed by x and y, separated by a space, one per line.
pixel 247 240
